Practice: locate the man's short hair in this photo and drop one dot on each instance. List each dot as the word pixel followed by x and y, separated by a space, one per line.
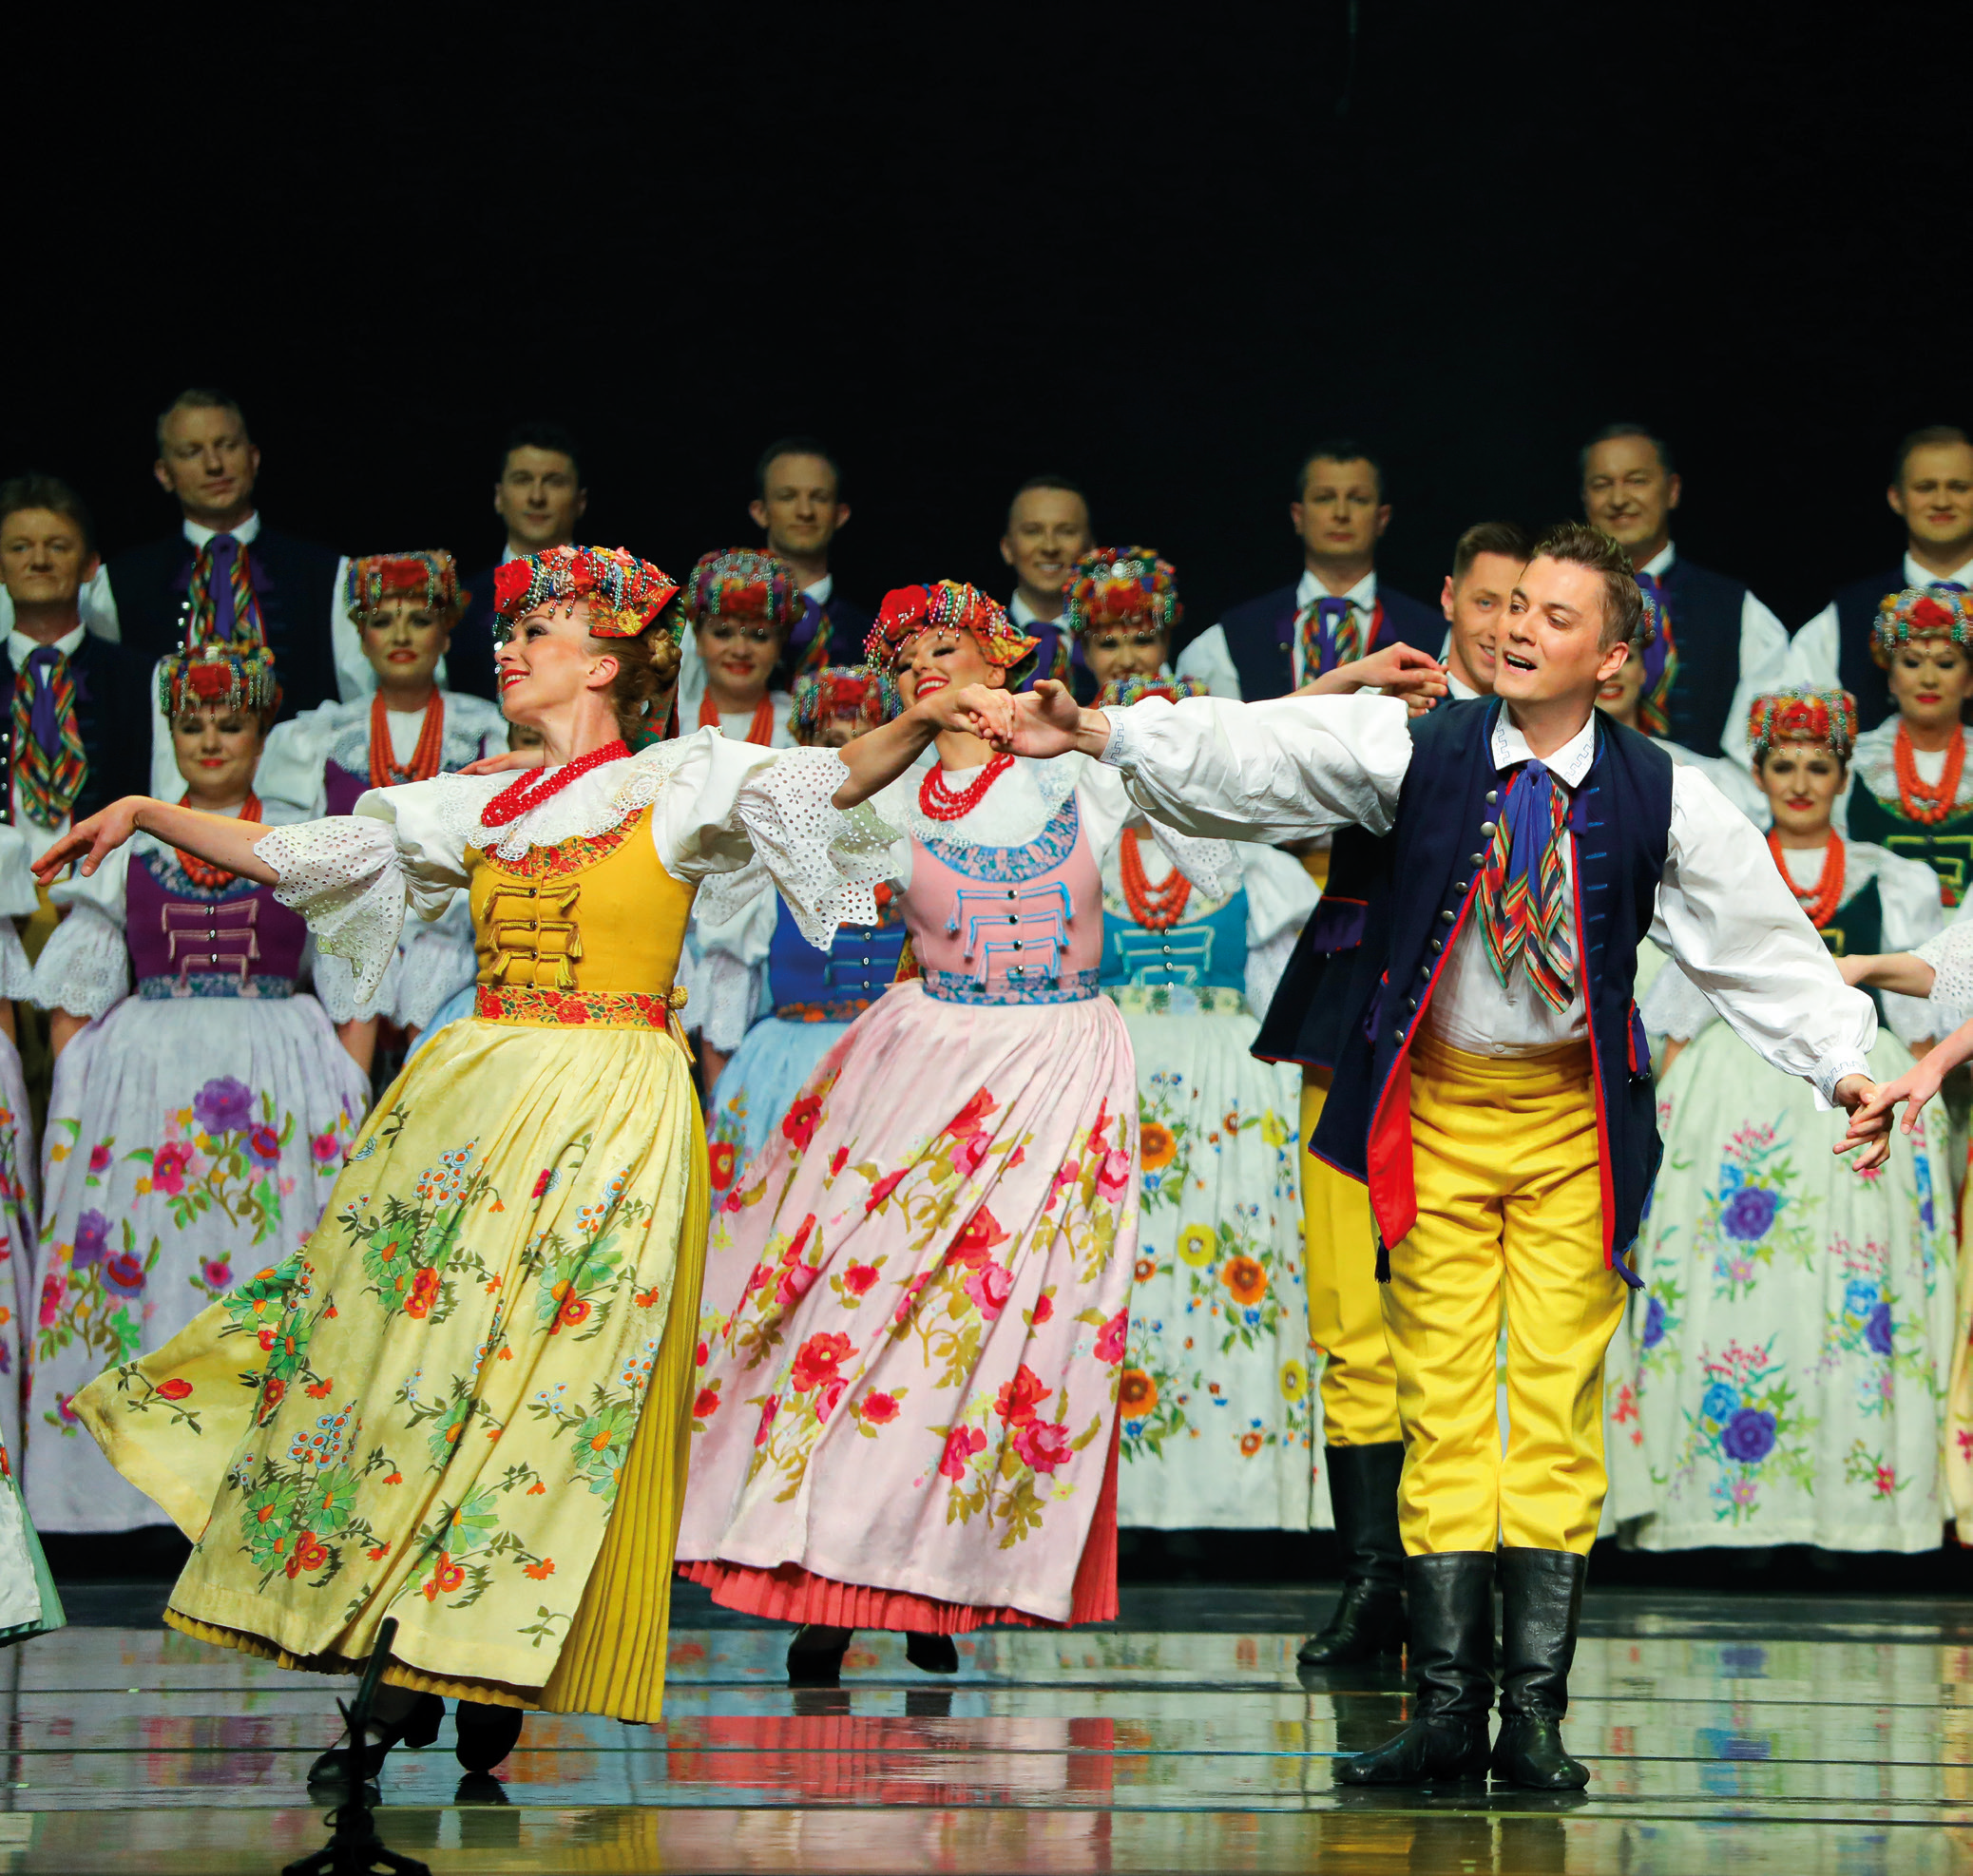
pixel 1489 537
pixel 795 445
pixel 1610 432
pixel 1339 449
pixel 198 398
pixel 1923 439
pixel 1065 485
pixel 1623 605
pixel 541 437
pixel 38 490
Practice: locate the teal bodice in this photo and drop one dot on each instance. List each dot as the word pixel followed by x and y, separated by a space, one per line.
pixel 1196 954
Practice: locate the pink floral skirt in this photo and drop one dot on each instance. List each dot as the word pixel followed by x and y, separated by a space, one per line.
pixel 915 1313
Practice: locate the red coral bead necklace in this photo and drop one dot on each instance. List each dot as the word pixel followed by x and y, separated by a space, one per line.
pixel 1155 907
pixel 202 873
pixel 1924 802
pixel 1819 903
pixel 384 770
pixel 531 787
pixel 941 803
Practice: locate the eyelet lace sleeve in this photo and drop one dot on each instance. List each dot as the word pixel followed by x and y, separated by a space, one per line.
pixel 85 968
pixel 826 862
pixel 334 980
pixel 343 876
pixel 1950 954
pixel 436 962
pixel 724 999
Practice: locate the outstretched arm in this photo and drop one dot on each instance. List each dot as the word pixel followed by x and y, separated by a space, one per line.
pixel 1901 971
pixel 220 838
pixel 880 756
pixel 1272 772
pixel 1871 1119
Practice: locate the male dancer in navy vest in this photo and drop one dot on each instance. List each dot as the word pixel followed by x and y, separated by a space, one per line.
pixel 1724 647
pixel 1494 1086
pixel 1337 610
pixel 1048 530
pixel 539 496
pixel 798 504
pixel 1931 492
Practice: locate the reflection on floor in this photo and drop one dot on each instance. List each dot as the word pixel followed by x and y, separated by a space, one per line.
pixel 1743 1733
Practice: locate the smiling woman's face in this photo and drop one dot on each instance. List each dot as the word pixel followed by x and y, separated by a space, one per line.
pixel 404 640
pixel 547 661
pixel 936 659
pixel 1801 781
pixel 1930 677
pixel 218 751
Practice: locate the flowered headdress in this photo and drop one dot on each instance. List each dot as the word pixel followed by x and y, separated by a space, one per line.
pixel 1120 692
pixel 948 606
pixel 843 690
pixel 744 583
pixel 1921 612
pixel 430 578
pixel 625 594
pixel 234 678
pixel 1823 718
pixel 1114 586
pixel 1657 652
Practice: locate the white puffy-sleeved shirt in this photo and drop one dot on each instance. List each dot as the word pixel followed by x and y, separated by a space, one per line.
pixel 85 967
pixel 715 805
pixel 1734 779
pixel 1907 891
pixel 298 751
pixel 18 899
pixel 1296 766
pixel 1816 650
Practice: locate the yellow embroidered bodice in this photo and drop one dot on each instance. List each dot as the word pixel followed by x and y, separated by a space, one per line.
pixel 588 932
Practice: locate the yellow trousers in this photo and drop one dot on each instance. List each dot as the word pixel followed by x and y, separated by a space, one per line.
pixel 1510 1208
pixel 1346 1313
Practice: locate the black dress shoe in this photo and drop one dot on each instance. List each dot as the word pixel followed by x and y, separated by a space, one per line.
pixel 1368 1621
pixel 932 1653
pixel 417 1728
pixel 811 1666
pixel 1540 1610
pixel 487 1734
pixel 1450 1599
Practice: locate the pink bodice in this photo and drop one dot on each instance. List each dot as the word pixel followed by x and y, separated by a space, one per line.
pixel 1008 924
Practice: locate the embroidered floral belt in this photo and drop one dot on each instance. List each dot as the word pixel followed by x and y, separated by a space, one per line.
pixel 1072 987
pixel 1179 1000
pixel 578 1009
pixel 212 984
pixel 837 1009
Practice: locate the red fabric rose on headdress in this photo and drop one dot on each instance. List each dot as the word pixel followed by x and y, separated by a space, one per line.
pixel 1929 616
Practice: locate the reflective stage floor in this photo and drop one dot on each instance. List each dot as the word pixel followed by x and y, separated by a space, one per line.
pixel 1750 1735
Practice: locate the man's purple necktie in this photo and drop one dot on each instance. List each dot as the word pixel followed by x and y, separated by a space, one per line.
pixel 225 550
pixel 41 722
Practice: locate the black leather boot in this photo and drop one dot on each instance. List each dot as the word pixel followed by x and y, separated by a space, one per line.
pixel 1540 1610
pixel 1369 1619
pixel 1450 1597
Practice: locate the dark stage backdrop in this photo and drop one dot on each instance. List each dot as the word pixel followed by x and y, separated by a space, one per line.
pixel 967 243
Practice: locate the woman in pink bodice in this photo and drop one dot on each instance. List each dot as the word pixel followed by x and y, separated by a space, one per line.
pixel 916 1297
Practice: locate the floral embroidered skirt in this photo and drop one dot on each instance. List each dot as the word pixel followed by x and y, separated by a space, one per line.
pixel 437 1410
pixel 916 1314
pixel 1221 1424
pixel 19 1216
pixel 189 1143
pixel 757 1087
pixel 1783 1376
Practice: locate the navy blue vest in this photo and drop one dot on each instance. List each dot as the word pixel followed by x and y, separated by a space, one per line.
pixel 1260 636
pixel 807 986
pixel 841 628
pixel 1309 1019
pixel 1856 670
pixel 470 658
pixel 295 582
pixel 1706 628
pixel 1622 820
pixel 112 711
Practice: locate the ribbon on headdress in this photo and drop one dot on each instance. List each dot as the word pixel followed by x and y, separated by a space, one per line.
pixel 741 582
pixel 1943 610
pixel 1524 890
pixel 624 594
pixel 1117 586
pixel 843 690
pixel 1803 714
pixel 951 606
pixel 428 576
pixel 230 677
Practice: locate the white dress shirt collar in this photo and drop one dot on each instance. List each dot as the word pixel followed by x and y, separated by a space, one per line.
pixel 1569 764
pixel 1363 596
pixel 1916 575
pixel 20 647
pixel 1026 616
pixel 821 590
pixel 199 534
pixel 1660 562
pixel 1457 688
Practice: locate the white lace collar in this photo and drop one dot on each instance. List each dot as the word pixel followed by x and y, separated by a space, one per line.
pixel 592 804
pixel 1011 814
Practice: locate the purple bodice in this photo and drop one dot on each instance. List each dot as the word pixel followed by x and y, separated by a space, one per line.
pixel 340 788
pixel 186 942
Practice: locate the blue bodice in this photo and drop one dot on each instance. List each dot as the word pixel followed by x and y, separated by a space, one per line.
pixel 1203 953
pixel 806 986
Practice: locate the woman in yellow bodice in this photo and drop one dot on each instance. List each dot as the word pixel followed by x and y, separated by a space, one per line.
pixel 465 1403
